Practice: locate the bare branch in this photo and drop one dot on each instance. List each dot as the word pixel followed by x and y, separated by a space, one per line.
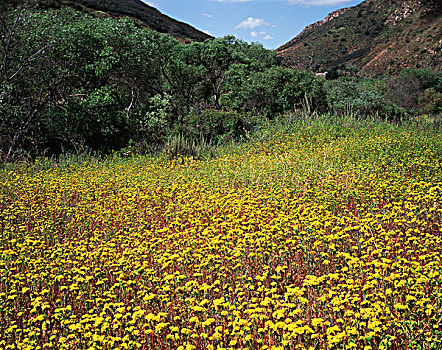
pixel 29 59
pixel 131 103
pixel 7 42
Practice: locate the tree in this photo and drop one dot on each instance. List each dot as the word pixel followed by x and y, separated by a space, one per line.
pixel 184 75
pixel 217 56
pixel 71 81
pixel 270 90
pixel 24 53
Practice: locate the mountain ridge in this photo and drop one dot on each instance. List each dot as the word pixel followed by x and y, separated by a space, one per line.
pixel 378 37
pixel 144 14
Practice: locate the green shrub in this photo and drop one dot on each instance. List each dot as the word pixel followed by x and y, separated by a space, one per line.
pixel 271 91
pixel 363 98
pixel 431 102
pixel 217 126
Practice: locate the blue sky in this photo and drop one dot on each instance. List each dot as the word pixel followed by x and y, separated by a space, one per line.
pixel 270 22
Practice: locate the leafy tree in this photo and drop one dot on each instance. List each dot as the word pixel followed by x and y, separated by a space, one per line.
pixel 270 91
pixel 74 81
pixel 431 102
pixel 30 78
pixel 234 88
pixel 427 78
pixel 184 77
pixel 348 95
pixel 217 56
pixel 224 57
pixel 302 88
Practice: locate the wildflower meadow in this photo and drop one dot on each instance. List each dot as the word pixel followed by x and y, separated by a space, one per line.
pixel 325 237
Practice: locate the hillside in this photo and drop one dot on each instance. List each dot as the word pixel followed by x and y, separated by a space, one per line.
pixel 379 37
pixel 143 14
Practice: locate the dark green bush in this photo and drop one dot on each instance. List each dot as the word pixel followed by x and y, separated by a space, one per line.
pixel 431 102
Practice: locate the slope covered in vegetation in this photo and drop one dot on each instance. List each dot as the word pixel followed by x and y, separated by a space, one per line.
pixel 379 37
pixel 143 14
pixel 75 83
pixel 328 237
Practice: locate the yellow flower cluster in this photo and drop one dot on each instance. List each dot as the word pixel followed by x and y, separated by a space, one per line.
pixel 321 239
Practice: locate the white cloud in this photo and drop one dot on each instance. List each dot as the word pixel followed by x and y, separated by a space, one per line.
pixel 252 23
pixel 208 33
pixel 318 2
pixel 208 15
pixel 262 34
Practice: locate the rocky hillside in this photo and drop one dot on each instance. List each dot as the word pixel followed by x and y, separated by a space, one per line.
pixel 377 36
pixel 142 13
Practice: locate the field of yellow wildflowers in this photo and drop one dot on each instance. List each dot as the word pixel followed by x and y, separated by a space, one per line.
pixel 325 238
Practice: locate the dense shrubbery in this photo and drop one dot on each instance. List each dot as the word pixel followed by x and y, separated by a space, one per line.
pixel 73 83
pixel 413 92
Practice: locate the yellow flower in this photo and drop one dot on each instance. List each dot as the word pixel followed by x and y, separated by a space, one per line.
pixel 316 322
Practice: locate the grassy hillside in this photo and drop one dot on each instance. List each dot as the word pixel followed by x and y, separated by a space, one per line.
pixel 325 238
pixel 142 13
pixel 379 37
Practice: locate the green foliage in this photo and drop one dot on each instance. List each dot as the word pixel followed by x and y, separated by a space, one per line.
pixel 365 97
pixel 217 126
pixel 431 101
pixel 270 91
pixel 393 99
pixel 154 124
pixel 427 78
pixel 70 82
pixel 415 90
pixel 78 83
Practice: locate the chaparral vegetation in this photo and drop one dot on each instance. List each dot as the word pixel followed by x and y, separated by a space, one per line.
pixel 327 236
pixel 75 83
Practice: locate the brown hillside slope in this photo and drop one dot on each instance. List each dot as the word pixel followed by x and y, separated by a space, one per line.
pixel 142 13
pixel 377 36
